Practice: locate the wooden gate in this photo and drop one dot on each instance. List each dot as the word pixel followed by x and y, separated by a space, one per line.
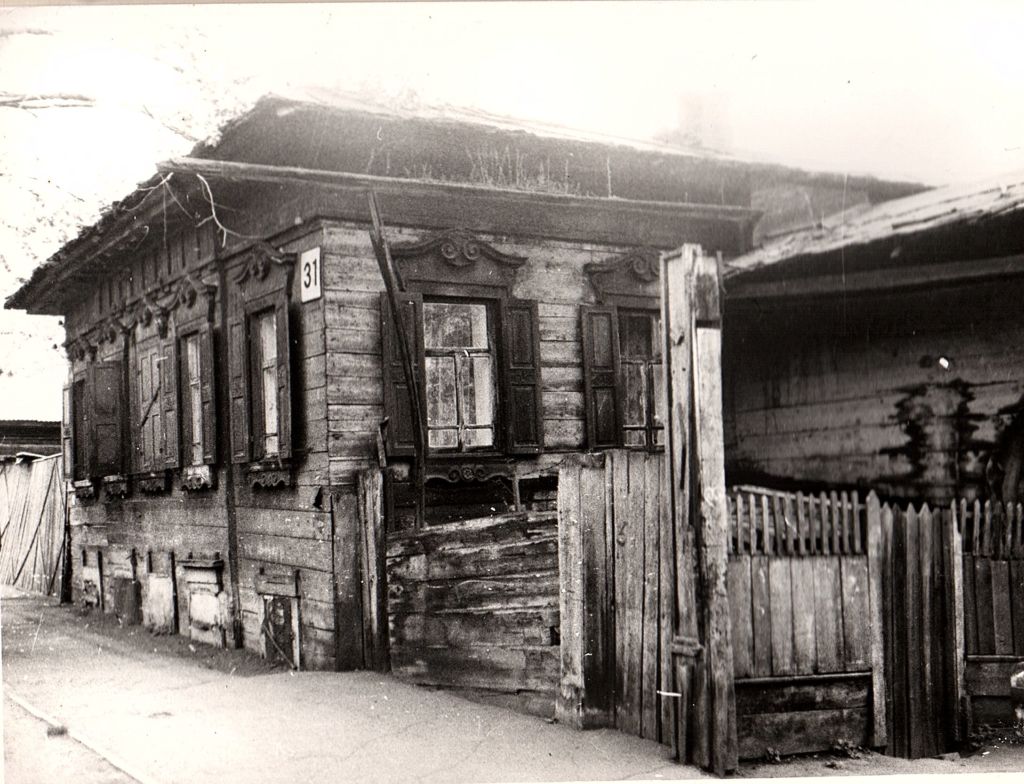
pixel 923 637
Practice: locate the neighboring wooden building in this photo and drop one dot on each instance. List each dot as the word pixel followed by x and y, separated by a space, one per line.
pixel 879 351
pixel 236 380
pixel 28 438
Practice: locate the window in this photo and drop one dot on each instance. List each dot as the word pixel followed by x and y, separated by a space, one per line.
pixel 196 388
pixel 623 377
pixel 459 362
pixel 643 402
pixel 265 384
pixel 97 428
pixel 260 381
pixel 477 364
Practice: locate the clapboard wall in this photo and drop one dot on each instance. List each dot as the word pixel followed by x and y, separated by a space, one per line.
pixel 908 393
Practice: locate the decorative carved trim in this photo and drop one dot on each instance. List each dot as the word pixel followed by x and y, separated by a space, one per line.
pixel 85 490
pixel 195 478
pixel 270 478
pixel 630 273
pixel 262 258
pixel 155 482
pixel 468 472
pixel 115 486
pixel 79 348
pixel 457 247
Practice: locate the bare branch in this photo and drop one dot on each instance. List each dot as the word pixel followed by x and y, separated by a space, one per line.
pixel 52 101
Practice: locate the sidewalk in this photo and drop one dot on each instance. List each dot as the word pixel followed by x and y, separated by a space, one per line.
pixel 169 719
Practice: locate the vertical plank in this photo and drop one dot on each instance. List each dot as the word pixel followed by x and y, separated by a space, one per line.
pixel 844 504
pixel 761 611
pixel 781 593
pixel 802 532
pixel 1002 613
pixel 804 645
pixel 770 540
pixel 649 647
pixel 828 614
pixel 595 582
pixel 740 609
pixel 983 603
pixel 835 519
pixel 856 613
pixel 927 718
pixel 629 571
pixel 826 524
pixel 666 601
pixel 953 546
pixel 571 690
pixel 876 552
pixel 913 649
pixel 895 599
pixel 1017 599
pixel 857 516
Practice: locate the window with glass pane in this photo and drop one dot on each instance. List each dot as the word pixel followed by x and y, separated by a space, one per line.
pixel 643 402
pixel 266 331
pixel 459 359
pixel 193 397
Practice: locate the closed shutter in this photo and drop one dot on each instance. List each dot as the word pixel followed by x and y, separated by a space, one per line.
pixel 207 391
pixel 238 388
pixel 524 422
pixel 600 374
pixel 284 382
pixel 67 441
pixel 401 433
pixel 106 399
pixel 171 457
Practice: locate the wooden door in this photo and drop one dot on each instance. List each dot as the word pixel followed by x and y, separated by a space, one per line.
pixel 920 640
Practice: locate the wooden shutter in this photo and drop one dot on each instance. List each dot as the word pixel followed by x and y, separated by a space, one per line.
pixel 284 381
pixel 600 374
pixel 67 435
pixel 524 418
pixel 207 391
pixel 401 435
pixel 107 404
pixel 238 388
pixel 169 403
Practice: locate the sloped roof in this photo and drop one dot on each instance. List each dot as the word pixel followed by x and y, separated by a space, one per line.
pixel 941 208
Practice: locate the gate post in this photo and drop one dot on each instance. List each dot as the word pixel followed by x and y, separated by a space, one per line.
pixel 691 303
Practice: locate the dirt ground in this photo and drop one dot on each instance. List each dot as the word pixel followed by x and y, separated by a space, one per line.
pixel 173 710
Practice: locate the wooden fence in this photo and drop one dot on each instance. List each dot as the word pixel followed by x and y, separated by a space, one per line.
pixel 993 603
pixel 805 606
pixel 32 516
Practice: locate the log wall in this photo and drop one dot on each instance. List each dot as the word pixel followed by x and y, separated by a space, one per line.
pixel 473 606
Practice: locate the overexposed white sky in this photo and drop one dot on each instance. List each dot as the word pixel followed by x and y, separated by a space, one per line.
pixel 929 92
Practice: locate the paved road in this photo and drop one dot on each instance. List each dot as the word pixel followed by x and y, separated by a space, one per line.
pixel 165 718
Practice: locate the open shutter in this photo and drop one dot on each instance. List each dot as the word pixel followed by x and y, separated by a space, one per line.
pixel 207 387
pixel 284 381
pixel 524 419
pixel 238 386
pixel 600 374
pixel 67 435
pixel 401 434
pixel 107 404
pixel 169 403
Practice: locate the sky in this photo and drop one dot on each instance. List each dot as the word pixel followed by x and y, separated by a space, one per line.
pixel 925 92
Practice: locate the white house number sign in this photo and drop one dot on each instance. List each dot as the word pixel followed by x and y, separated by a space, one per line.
pixel 309 274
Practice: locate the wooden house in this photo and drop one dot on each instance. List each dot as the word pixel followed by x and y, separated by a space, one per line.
pixel 240 436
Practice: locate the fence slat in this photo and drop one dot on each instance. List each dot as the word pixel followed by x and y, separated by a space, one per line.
pixel 762 611
pixel 826 529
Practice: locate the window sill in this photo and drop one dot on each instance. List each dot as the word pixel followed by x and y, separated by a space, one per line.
pixel 196 478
